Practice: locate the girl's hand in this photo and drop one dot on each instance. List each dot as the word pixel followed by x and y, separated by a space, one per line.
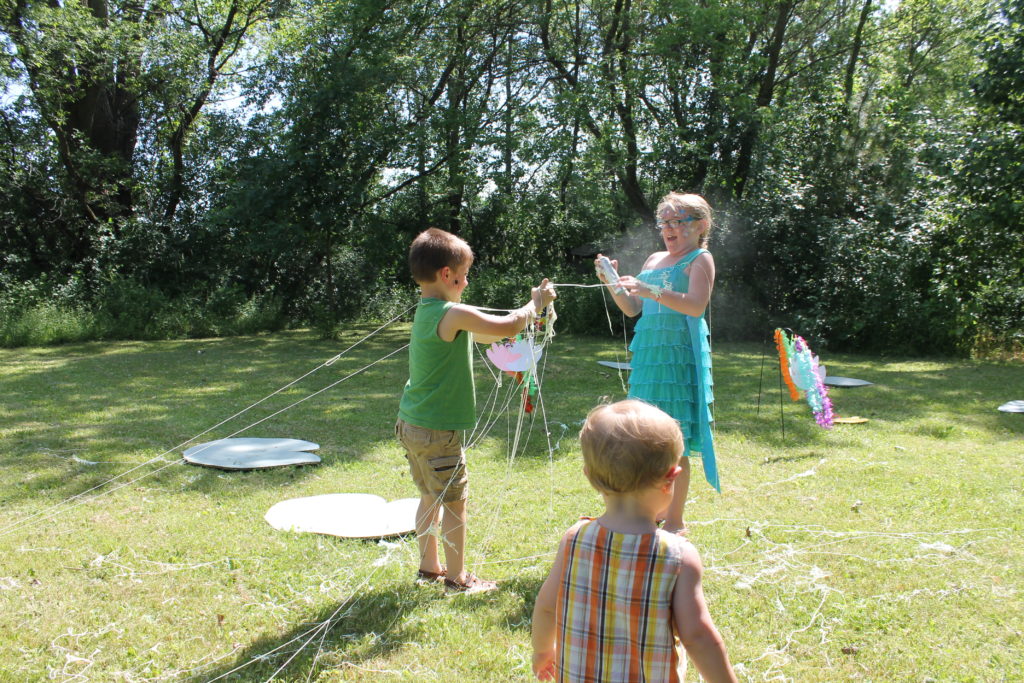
pixel 600 275
pixel 635 287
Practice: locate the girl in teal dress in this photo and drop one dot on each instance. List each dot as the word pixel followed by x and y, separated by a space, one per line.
pixel 671 361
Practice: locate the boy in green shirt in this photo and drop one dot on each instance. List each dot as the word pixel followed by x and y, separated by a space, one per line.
pixel 439 400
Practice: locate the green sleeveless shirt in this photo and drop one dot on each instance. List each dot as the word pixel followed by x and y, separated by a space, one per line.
pixel 440 393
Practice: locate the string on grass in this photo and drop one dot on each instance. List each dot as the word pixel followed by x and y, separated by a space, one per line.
pixel 542 328
pixel 103 488
pixel 786 558
pixel 318 631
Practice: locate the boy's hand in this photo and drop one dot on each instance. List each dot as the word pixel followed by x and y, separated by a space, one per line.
pixel 543 294
pixel 544 665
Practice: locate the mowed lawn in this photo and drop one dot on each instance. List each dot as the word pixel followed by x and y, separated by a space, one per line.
pixel 884 551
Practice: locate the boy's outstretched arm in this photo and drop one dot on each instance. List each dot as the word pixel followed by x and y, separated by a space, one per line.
pixel 693 623
pixel 494 327
pixel 543 632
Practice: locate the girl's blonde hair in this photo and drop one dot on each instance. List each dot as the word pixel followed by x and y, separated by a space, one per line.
pixel 693 204
pixel 629 445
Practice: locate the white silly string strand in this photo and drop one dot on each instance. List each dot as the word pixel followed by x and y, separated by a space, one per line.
pixel 480 434
pixel 480 431
pixel 52 510
pixel 324 626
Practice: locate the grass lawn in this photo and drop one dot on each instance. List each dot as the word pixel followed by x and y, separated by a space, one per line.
pixel 886 551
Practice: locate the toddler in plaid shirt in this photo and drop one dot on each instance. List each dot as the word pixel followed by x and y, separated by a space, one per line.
pixel 624 597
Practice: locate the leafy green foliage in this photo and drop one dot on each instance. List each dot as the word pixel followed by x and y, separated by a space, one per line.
pixel 862 158
pixel 984 230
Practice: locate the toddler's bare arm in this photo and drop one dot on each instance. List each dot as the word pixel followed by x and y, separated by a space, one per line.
pixel 543 631
pixel 694 625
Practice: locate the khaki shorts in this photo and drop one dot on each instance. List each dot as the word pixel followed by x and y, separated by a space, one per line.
pixel 436 461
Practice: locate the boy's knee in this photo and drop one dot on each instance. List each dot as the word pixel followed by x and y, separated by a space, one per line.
pixel 456 507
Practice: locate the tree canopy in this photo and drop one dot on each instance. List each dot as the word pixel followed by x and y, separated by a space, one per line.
pixel 234 158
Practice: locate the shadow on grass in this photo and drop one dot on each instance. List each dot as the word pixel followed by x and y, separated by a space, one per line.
pixel 520 618
pixel 118 406
pixel 369 626
pixel 122 404
pixel 791 458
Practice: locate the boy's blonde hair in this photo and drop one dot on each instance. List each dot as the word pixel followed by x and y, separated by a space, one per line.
pixel 693 204
pixel 629 445
pixel 432 250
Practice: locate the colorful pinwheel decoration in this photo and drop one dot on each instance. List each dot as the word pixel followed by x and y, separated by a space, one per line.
pixel 518 356
pixel 802 372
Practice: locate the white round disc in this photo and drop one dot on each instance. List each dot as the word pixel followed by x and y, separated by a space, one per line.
pixel 349 515
pixel 1012 407
pixel 252 453
pixel 615 365
pixel 846 382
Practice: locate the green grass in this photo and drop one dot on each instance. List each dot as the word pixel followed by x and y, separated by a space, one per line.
pixel 888 551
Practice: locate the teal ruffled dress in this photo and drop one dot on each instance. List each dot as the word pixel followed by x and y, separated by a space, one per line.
pixel 671 361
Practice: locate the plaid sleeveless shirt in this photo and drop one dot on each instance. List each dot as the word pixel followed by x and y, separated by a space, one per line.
pixel 613 619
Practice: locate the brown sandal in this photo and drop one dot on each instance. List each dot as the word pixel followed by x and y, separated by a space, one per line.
pixel 472 584
pixel 423 576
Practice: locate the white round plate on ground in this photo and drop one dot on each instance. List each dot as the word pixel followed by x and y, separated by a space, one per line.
pixel 852 420
pixel 252 453
pixel 1012 407
pixel 614 365
pixel 349 515
pixel 846 382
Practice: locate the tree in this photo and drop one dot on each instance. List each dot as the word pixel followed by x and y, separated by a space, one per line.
pixel 118 85
pixel 980 252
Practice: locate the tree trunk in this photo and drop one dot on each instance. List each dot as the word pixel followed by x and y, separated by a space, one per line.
pixel 765 92
pixel 858 42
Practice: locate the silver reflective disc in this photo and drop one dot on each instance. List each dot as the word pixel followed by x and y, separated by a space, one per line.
pixel 252 453
pixel 846 382
pixel 615 365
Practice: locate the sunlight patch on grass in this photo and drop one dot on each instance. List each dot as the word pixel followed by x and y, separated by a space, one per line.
pixel 882 551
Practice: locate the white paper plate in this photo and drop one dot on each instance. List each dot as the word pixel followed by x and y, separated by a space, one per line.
pixel 349 515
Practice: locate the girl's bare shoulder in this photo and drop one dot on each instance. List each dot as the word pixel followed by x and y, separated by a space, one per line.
pixel 655 260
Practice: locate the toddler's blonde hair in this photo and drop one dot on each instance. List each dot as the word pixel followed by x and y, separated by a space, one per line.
pixel 629 445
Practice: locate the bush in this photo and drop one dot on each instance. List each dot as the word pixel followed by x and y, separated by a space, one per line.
pixel 125 309
pixel 43 324
pixel 37 314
